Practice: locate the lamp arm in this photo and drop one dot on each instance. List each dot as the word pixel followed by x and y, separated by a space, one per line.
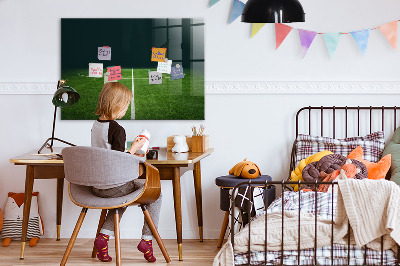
pixel 54 126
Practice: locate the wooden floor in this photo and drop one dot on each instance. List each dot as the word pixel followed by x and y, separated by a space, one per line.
pixel 50 252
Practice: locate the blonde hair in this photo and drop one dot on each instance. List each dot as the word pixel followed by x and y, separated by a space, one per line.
pixel 112 99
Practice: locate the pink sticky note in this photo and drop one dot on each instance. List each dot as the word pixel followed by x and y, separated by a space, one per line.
pixel 115 73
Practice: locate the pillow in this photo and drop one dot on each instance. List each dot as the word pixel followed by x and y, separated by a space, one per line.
pixel 296 174
pixel 372 144
pixel 375 170
pixel 393 148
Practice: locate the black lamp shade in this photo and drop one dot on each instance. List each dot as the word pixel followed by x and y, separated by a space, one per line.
pixel 65 96
pixel 273 11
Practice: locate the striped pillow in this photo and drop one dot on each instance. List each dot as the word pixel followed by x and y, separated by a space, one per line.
pixel 372 145
pixel 13 228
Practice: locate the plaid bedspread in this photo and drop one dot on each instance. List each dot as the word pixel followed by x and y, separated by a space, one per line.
pixel 321 205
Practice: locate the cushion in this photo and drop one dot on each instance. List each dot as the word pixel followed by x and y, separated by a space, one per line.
pixel 372 144
pixel 329 164
pixel 393 148
pixel 375 170
pixel 84 196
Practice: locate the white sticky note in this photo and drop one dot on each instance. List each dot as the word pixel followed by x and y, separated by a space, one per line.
pixel 106 75
pixel 155 77
pixel 164 67
pixel 96 70
pixel 104 53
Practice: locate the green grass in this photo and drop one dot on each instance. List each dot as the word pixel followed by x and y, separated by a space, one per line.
pixel 173 100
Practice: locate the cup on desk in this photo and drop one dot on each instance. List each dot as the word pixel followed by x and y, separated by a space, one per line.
pixel 152 155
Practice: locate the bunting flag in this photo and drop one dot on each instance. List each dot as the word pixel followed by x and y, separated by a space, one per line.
pixel 332 41
pixel 256 28
pixel 306 39
pixel 213 2
pixel 389 30
pixel 361 37
pixel 281 31
pixel 237 9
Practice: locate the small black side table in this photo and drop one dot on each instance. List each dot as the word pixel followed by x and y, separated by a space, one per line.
pixel 226 183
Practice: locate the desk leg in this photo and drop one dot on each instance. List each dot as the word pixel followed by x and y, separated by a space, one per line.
pixel 176 182
pixel 27 206
pixel 60 190
pixel 199 204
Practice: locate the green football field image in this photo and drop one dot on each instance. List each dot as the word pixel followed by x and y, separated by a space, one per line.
pixel 181 99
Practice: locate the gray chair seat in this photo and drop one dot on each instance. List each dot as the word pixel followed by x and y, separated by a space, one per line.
pixel 83 196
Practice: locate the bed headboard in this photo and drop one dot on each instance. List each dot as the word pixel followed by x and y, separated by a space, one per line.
pixel 344 121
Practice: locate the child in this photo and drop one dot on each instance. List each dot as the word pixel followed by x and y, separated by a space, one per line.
pixel 113 103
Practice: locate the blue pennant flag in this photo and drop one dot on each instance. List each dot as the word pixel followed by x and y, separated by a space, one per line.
pixel 361 37
pixel 237 9
pixel 332 41
pixel 213 2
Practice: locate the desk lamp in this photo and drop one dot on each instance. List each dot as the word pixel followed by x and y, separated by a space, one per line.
pixel 64 96
pixel 273 11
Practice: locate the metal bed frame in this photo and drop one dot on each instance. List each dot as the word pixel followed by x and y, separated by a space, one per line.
pixel 283 184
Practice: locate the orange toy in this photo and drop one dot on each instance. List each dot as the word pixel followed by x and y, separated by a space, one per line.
pixel 12 222
pixel 245 169
pixel 375 170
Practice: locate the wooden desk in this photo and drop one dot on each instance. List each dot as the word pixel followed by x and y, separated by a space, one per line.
pixel 168 164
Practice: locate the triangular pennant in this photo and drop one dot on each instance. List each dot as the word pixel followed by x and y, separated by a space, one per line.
pixel 213 2
pixel 306 39
pixel 332 41
pixel 256 28
pixel 389 30
pixel 361 37
pixel 237 9
pixel 281 31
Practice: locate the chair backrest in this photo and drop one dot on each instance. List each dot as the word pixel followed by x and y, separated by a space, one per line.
pixel 92 166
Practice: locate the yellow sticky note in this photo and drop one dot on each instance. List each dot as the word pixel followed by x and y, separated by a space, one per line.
pixel 158 54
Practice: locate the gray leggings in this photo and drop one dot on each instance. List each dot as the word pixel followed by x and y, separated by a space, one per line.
pixel 154 208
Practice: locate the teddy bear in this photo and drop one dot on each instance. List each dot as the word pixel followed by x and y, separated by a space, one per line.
pixel 13 215
pixel 180 144
pixel 245 169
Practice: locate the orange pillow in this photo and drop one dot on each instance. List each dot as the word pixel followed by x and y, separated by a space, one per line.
pixel 375 170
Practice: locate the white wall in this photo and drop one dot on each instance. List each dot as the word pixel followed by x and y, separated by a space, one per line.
pixel 259 127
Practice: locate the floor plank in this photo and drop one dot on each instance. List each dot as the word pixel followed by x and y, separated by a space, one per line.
pixel 49 252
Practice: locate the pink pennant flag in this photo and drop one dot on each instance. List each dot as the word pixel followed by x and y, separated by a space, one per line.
pixel 306 39
pixel 389 30
pixel 281 31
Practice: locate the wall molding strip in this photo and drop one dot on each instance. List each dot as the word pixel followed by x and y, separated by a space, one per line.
pixel 248 87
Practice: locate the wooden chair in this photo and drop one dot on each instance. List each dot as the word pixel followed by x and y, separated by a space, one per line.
pixel 85 167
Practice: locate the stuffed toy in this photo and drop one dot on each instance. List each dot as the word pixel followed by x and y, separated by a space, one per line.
pixel 13 215
pixel 180 144
pixel 296 174
pixel 245 169
pixel 375 170
pixel 1 220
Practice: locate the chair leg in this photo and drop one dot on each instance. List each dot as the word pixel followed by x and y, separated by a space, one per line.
pixel 154 230
pixel 73 237
pixel 117 238
pixel 101 222
pixel 223 229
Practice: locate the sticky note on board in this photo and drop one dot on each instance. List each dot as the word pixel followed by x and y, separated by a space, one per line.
pixel 155 77
pixel 104 53
pixel 96 70
pixel 177 72
pixel 164 67
pixel 158 54
pixel 115 73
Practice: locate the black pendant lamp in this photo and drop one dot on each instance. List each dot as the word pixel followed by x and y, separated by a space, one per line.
pixel 273 11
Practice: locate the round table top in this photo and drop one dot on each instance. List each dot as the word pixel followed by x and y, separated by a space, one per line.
pixel 230 181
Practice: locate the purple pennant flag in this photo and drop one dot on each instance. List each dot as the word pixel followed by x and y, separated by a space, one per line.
pixel 237 9
pixel 306 39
